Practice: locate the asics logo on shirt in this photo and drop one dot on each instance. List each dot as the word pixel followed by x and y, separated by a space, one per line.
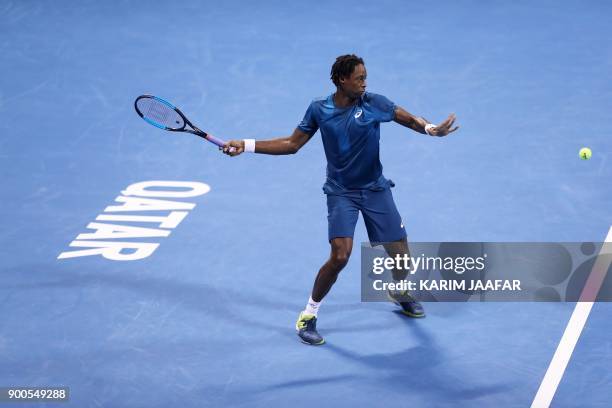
pixel 358 113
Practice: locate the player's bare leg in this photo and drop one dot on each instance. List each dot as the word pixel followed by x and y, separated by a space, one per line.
pixel 338 258
pixel 327 276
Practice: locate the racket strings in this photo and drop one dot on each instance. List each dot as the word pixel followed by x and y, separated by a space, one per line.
pixel 158 112
pixel 162 114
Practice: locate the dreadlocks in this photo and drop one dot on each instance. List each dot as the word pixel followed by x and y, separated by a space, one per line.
pixel 344 67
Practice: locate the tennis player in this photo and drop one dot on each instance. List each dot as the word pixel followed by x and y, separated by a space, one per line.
pixel 349 121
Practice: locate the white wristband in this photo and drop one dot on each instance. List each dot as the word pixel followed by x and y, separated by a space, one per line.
pixel 428 127
pixel 249 145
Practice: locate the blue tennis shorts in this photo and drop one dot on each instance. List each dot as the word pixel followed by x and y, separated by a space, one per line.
pixel 380 215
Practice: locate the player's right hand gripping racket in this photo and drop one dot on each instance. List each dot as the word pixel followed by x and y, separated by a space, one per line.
pixel 164 115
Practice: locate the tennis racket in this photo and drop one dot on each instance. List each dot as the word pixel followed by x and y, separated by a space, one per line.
pixel 162 114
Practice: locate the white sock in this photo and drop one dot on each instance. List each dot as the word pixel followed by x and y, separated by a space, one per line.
pixel 312 307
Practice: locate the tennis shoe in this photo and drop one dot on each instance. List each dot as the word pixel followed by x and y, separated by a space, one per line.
pixel 306 327
pixel 410 306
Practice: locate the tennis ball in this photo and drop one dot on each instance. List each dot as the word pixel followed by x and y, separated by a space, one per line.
pixel 585 153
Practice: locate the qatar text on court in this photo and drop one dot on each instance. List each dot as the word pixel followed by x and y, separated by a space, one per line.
pixel 140 204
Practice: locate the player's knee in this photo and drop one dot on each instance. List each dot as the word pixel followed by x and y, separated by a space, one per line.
pixel 340 253
pixel 340 258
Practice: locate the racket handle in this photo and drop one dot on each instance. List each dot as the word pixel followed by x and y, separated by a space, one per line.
pixel 218 142
pixel 214 140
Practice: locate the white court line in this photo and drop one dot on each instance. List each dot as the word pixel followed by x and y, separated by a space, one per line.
pixel 559 362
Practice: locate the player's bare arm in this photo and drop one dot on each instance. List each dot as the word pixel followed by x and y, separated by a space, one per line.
pixel 418 124
pixel 282 145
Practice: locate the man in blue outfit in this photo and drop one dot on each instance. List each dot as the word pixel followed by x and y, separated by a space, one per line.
pixel 349 121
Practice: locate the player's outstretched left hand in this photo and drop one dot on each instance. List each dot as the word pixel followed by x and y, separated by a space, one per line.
pixel 238 147
pixel 445 127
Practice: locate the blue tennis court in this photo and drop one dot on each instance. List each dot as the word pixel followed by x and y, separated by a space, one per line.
pixel 207 318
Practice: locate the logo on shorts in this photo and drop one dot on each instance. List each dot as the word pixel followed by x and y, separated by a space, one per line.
pixel 358 113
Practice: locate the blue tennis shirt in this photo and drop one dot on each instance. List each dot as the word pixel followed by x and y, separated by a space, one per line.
pixel 351 139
